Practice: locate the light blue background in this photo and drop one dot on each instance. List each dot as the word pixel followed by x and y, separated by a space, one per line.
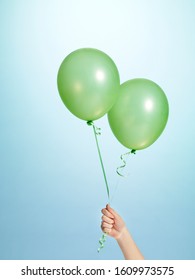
pixel 51 183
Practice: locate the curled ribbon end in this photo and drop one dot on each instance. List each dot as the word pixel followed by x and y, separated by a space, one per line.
pixel 102 241
pixel 120 168
pixel 122 157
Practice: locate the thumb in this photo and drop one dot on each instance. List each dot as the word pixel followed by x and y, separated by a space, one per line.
pixel 112 211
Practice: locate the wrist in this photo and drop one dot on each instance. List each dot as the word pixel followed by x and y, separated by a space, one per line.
pixel 122 234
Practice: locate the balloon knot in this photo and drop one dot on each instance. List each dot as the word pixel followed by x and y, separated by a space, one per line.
pixel 133 151
pixel 90 122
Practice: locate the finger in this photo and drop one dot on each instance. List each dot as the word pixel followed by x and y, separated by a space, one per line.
pixel 107 213
pixel 106 230
pixel 106 225
pixel 108 220
pixel 112 211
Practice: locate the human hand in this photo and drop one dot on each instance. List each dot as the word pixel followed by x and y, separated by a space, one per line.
pixel 112 223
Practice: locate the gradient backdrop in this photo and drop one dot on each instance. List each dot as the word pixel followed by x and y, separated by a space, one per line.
pixel 51 183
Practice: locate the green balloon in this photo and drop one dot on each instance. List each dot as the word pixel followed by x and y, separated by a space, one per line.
pixel 140 114
pixel 88 83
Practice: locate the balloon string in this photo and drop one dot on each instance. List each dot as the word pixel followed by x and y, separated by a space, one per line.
pixel 122 157
pixel 119 172
pixel 97 132
pixel 103 238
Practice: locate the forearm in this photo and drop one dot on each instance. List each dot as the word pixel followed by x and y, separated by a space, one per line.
pixel 128 246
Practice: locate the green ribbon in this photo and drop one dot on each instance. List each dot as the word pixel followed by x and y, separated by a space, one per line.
pixel 97 131
pixel 124 162
pixel 102 241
